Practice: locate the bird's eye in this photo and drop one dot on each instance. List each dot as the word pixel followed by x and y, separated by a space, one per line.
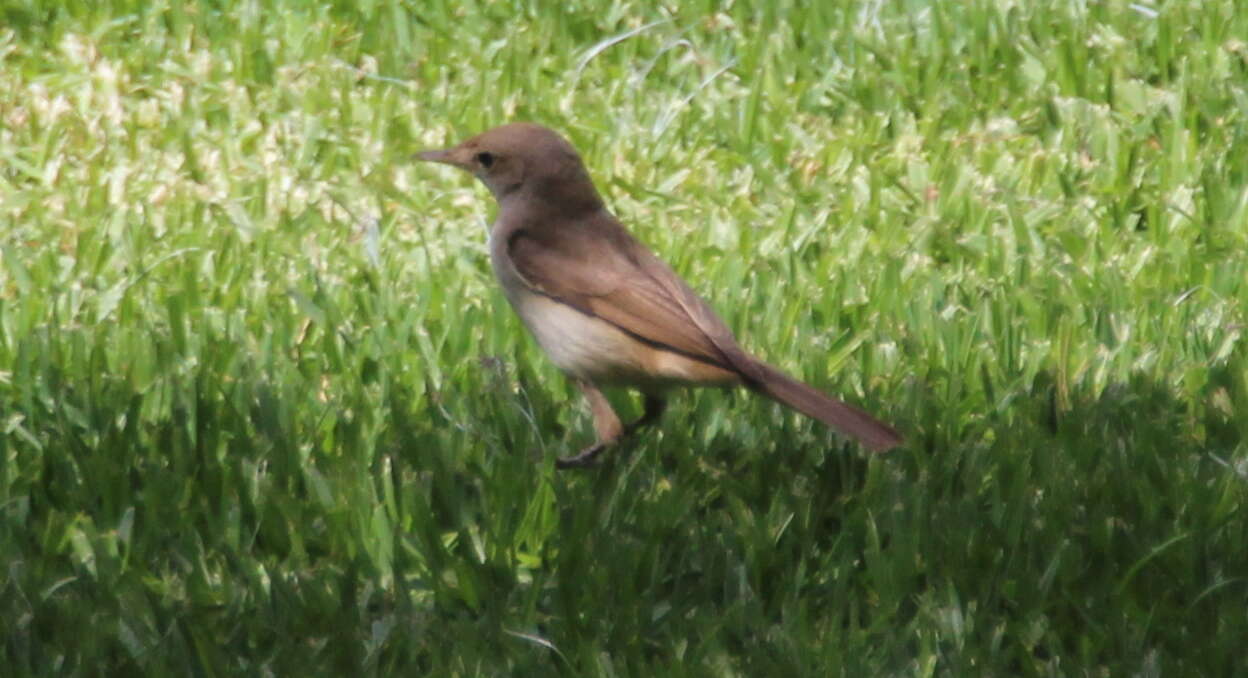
pixel 485 158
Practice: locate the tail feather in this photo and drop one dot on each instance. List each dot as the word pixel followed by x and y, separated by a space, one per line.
pixel 849 420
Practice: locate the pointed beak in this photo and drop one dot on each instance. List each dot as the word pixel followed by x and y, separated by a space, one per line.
pixel 442 156
pixel 446 156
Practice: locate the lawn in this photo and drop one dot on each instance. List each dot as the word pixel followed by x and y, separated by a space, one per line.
pixel 264 411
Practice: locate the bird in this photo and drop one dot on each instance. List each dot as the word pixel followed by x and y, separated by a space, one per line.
pixel 602 306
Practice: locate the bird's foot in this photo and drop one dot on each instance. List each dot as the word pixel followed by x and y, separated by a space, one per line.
pixel 609 431
pixel 586 457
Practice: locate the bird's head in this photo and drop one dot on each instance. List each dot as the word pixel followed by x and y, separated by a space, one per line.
pixel 522 159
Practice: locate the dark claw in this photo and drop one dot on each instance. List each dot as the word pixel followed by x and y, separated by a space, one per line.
pixel 587 457
pixel 583 459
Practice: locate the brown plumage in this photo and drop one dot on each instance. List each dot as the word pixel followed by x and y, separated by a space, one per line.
pixel 605 309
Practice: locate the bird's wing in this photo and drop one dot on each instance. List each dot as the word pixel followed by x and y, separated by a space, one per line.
pixel 595 266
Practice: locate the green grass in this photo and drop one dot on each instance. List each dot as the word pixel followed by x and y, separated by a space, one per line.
pixel 263 410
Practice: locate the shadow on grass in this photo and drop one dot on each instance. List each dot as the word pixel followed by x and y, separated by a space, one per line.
pixel 240 526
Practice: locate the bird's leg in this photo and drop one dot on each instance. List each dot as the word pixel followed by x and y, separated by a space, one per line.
pixel 654 406
pixel 607 425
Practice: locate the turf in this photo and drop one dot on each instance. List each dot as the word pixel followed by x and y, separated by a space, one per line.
pixel 263 410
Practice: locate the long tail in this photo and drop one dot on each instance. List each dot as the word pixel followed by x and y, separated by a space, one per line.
pixel 871 432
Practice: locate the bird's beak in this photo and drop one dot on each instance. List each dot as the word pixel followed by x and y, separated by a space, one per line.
pixel 446 156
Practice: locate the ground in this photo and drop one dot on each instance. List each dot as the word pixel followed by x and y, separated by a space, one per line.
pixel 263 410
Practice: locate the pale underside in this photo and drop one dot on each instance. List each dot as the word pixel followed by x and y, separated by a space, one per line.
pixel 587 347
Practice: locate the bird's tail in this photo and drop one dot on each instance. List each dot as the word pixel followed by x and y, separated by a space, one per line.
pixel 849 420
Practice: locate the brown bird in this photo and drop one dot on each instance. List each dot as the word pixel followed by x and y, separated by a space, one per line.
pixel 605 309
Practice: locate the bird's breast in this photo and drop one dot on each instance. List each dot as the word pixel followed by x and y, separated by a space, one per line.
pixel 587 347
pixel 579 344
